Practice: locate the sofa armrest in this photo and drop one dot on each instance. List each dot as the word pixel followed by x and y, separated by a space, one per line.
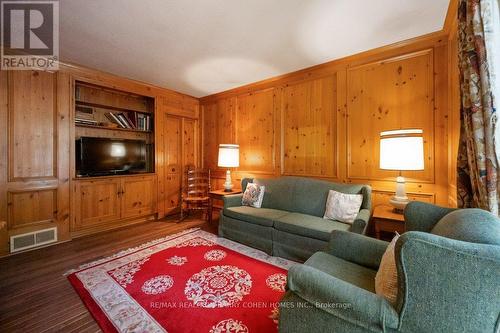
pixel 361 221
pixel 341 298
pixel 233 200
pixel 455 282
pixel 360 249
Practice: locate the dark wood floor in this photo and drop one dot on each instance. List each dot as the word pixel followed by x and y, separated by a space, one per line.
pixel 36 297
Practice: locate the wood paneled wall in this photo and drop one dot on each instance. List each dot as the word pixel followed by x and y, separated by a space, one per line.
pixel 37 178
pixel 325 122
pixel 34 148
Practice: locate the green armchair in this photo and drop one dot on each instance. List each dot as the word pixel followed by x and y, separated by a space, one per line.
pixel 448 276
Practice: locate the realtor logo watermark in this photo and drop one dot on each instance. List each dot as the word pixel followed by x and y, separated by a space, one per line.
pixel 30 35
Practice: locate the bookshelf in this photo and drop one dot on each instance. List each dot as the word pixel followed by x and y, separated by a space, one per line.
pixel 103 112
pixel 101 107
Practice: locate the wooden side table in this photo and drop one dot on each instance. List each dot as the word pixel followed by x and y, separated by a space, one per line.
pixel 385 219
pixel 217 195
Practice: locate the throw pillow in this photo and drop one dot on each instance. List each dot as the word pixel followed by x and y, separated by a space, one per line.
pixel 253 196
pixel 342 207
pixel 386 279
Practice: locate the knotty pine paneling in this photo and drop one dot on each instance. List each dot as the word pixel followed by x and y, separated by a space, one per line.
pixel 173 161
pixel 27 208
pixel 35 149
pixel 329 120
pixel 255 131
pixel 309 128
pixel 387 95
pixel 32 121
pixel 219 126
pixel 190 142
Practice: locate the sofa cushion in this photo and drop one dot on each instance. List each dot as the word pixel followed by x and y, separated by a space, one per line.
pixel 310 195
pixel 260 216
pixel 308 226
pixel 469 225
pixel 278 193
pixel 344 270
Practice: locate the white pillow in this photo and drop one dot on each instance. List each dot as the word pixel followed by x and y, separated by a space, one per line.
pixel 253 196
pixel 342 207
pixel 386 280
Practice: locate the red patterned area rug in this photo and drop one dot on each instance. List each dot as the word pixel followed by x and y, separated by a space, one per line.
pixel 192 281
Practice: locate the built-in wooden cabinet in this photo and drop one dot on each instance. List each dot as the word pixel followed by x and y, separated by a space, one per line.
pixel 108 202
pixel 96 202
pixel 39 186
pixel 138 196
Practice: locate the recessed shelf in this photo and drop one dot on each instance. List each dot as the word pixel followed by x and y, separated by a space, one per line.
pixel 113 128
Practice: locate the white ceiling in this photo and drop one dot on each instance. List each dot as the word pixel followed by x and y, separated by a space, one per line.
pixel 200 47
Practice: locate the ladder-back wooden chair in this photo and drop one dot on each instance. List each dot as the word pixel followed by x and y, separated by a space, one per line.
pixel 195 193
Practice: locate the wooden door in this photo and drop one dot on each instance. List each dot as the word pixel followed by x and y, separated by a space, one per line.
pixel 34 152
pixel 173 162
pixel 138 196
pixel 96 202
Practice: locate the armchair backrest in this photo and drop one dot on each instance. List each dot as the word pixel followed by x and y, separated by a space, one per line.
pixel 422 216
pixel 450 273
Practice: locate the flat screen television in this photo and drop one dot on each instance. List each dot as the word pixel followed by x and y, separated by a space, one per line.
pixel 103 156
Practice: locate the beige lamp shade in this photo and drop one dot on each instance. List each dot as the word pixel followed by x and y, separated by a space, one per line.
pixel 402 150
pixel 229 156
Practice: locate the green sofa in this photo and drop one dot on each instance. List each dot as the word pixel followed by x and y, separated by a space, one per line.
pixel 448 276
pixel 290 222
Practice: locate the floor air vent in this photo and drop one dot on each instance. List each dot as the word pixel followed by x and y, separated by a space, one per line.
pixel 33 239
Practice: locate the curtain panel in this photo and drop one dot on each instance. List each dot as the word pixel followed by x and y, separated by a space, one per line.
pixel 479 147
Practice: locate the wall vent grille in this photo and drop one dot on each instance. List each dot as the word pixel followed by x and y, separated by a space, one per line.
pixel 33 239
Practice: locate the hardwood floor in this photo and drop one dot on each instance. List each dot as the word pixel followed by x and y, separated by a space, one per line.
pixel 36 297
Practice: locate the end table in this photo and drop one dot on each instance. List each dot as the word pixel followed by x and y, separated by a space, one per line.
pixel 386 220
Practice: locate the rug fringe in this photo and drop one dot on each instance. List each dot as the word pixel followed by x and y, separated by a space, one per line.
pixel 129 250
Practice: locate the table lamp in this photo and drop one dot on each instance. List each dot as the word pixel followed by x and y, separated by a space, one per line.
pixel 401 150
pixel 229 157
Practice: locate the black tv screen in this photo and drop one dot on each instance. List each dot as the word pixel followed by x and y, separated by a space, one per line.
pixel 102 156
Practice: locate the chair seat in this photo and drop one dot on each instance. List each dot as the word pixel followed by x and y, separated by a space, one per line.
pixel 347 271
pixel 260 216
pixel 309 226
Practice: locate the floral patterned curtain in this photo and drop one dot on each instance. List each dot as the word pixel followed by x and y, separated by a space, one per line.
pixel 478 165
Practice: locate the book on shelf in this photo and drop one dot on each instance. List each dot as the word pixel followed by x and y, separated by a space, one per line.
pixel 123 119
pixel 126 120
pixel 83 121
pixel 143 122
pixel 132 117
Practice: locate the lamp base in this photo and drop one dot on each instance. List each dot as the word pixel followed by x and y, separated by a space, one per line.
pixel 400 200
pixel 399 206
pixel 228 186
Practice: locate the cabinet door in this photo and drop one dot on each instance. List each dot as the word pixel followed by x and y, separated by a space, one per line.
pixel 173 159
pixel 96 202
pixel 138 196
